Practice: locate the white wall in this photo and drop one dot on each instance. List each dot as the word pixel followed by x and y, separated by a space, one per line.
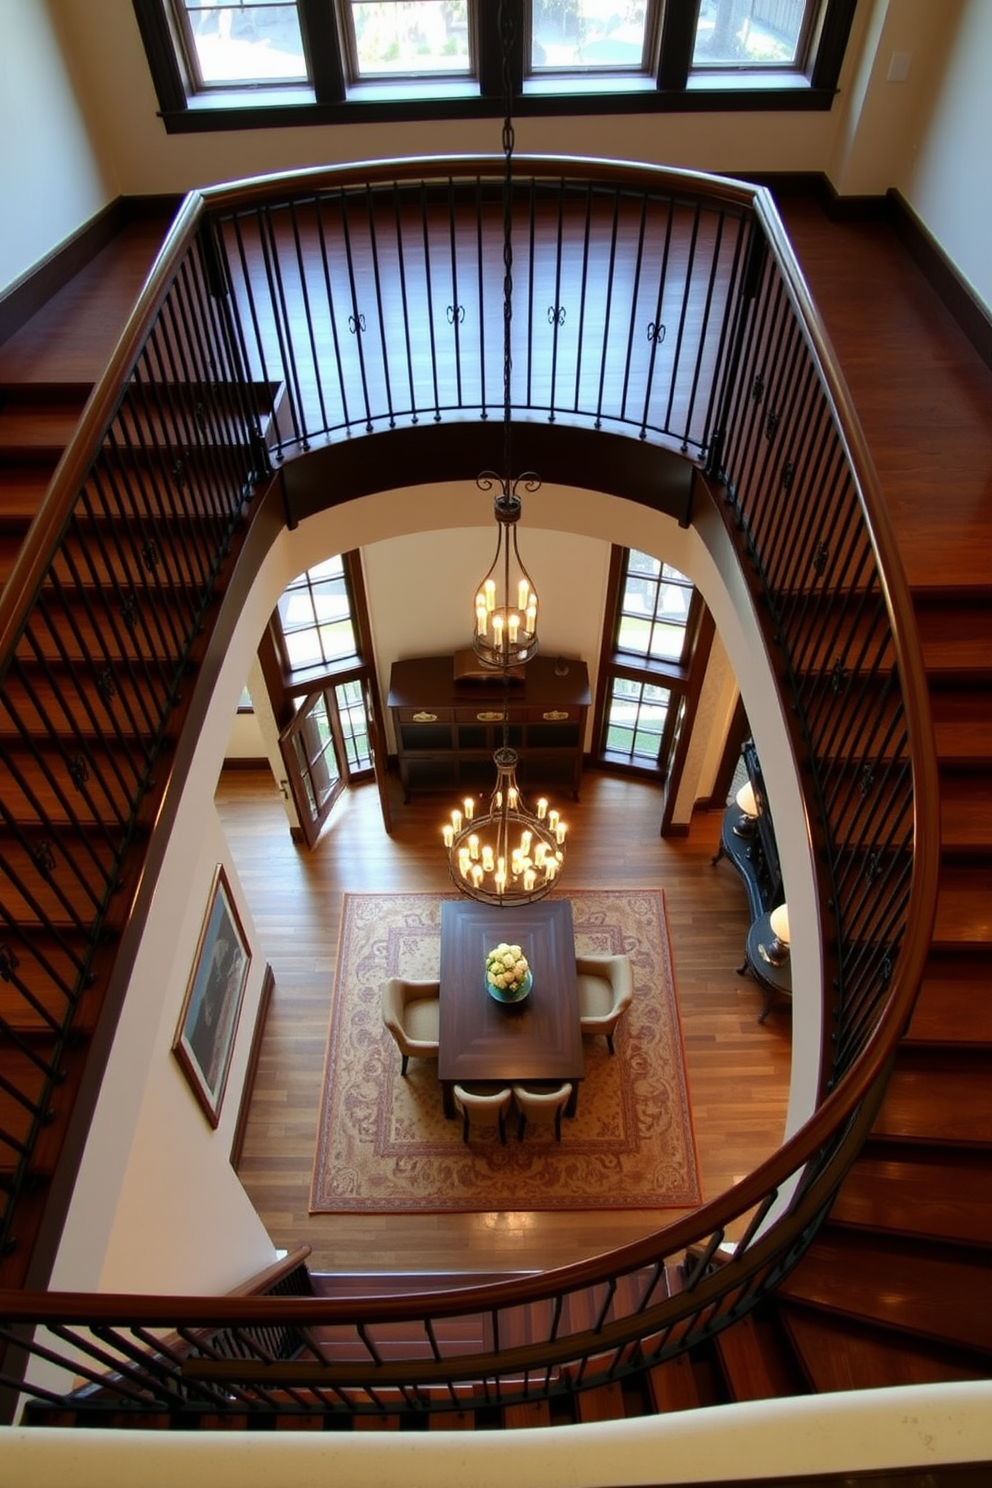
pixel 948 180
pixel 51 181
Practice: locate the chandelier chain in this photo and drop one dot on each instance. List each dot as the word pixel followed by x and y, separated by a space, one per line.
pixel 507 40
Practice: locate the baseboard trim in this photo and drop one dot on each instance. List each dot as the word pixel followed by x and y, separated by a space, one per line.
pixel 28 294
pixel 818 186
pixel 254 1055
pixel 954 292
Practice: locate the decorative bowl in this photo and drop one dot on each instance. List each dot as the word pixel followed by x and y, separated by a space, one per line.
pixel 510 995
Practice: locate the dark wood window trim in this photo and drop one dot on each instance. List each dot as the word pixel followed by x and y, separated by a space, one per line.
pixel 682 678
pixel 330 101
pixel 284 685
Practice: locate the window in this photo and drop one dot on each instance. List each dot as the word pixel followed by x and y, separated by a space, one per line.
pixel 315 619
pixel 255 63
pixel 318 628
pixel 752 34
pixel 654 609
pixel 408 39
pixel 650 663
pixel 575 36
pixel 240 44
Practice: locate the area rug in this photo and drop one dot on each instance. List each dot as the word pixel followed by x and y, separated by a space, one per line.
pixel 383 1142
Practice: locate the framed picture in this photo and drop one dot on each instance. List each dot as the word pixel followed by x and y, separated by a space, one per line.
pixel 209 1020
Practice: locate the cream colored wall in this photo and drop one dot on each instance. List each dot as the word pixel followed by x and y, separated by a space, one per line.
pixel 420 592
pixel 51 180
pixel 948 179
pixel 120 104
pixel 926 134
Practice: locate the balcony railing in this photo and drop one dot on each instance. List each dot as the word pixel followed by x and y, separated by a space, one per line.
pixel 286 315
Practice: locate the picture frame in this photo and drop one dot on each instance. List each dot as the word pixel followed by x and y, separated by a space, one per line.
pixel 208 1023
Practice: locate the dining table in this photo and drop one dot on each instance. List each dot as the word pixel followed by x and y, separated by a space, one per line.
pixel 482 1039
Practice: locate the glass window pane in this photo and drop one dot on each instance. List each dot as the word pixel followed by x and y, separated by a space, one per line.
pixel 749 33
pixel 411 37
pixel 337 640
pixel 247 43
pixel 634 635
pixel 296 610
pixel 331 568
pixel 667 641
pixel 303 649
pixel 573 35
pixel 636 721
pixel 654 609
pixel 354 725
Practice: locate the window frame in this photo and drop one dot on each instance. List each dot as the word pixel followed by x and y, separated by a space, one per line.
pixel 681 678
pixel 301 684
pixel 331 99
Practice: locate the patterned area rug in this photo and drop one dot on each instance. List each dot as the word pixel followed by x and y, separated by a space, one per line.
pixel 383 1143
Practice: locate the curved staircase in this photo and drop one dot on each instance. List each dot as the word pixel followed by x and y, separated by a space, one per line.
pixel 896 1287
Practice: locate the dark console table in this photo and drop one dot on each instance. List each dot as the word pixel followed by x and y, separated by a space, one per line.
pixel 752 849
pixel 447 730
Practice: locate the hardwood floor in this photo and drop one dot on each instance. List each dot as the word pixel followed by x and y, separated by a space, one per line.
pixel 738 1070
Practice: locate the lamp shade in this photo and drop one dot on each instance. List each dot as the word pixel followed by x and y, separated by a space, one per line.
pixel 780 923
pixel 745 799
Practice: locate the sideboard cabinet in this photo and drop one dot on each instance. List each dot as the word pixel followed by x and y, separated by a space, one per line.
pixel 447 731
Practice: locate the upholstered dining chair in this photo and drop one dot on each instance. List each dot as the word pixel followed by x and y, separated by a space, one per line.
pixel 606 990
pixel 535 1102
pixel 483 1102
pixel 411 1012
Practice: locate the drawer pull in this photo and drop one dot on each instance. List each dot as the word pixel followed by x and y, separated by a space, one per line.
pixel 555 715
pixel 490 717
pixel 425 718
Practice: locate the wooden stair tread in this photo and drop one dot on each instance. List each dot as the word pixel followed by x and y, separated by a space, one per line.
pixel 934 1099
pixel 49 706
pixel 754 1361
pixel 67 885
pixel 907 1287
pixel 964 907
pixel 956 632
pixel 685 1383
pixel 954 1004
pixel 604 1403
pixel 840 1354
pixel 44 781
pixel 962 724
pixel 527 1414
pixel 926 1194
pixel 22 491
pixel 966 813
